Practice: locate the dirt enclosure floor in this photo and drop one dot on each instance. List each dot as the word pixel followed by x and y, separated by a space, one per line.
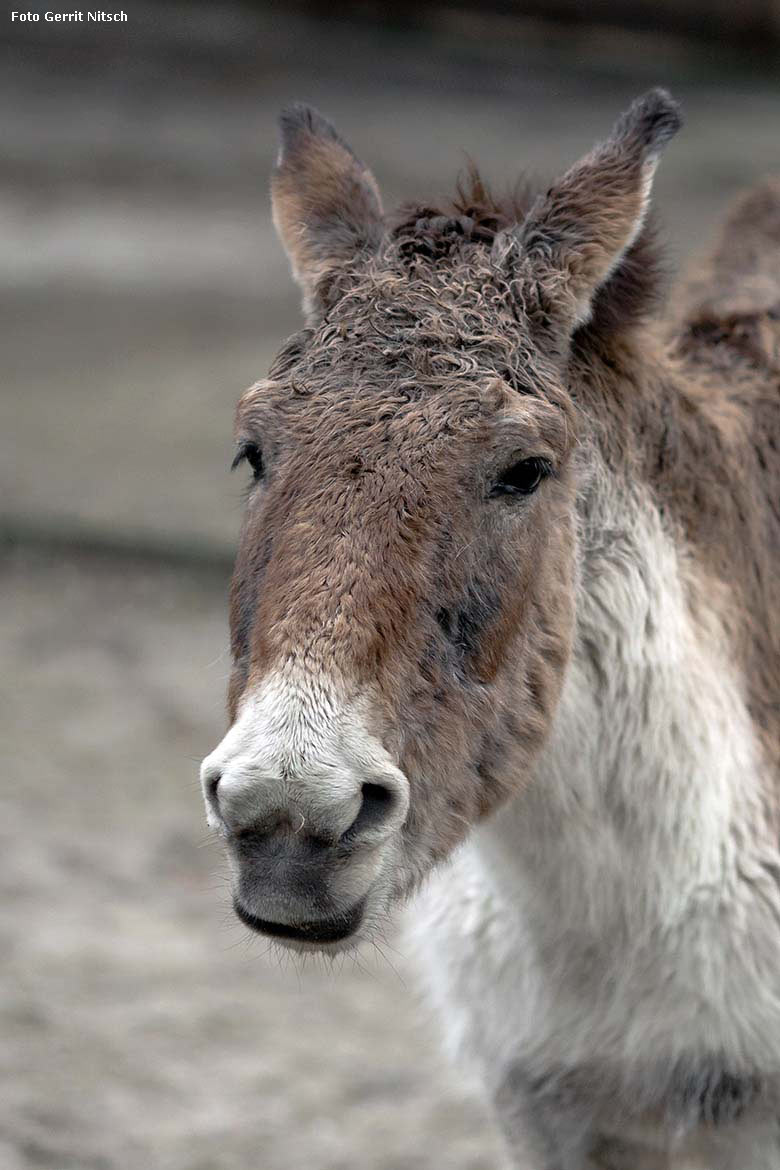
pixel 141 1027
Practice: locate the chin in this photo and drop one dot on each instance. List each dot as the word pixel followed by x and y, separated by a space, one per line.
pixel 338 932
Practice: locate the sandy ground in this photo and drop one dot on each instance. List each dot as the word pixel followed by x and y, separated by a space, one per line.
pixel 141 1027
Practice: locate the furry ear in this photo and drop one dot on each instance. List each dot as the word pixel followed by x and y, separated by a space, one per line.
pixel 326 204
pixel 582 228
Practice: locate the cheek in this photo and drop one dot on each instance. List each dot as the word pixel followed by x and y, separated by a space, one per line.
pixel 254 552
pixel 243 606
pixel 236 686
pixel 478 602
pixel 499 639
pixel 507 609
pixel 464 621
pixel 505 582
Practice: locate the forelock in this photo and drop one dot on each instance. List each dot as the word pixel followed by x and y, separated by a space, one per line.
pixel 430 309
pixel 434 306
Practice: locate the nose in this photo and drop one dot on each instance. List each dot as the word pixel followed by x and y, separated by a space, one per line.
pixel 303 870
pixel 310 805
pixel 348 815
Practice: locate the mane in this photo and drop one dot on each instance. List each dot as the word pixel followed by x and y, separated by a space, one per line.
pixel 474 216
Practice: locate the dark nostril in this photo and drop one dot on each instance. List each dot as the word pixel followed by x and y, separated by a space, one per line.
pixel 377 800
pixel 377 804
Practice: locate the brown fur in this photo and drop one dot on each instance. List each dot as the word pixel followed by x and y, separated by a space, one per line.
pixel 326 203
pixel 443 347
pixel 691 407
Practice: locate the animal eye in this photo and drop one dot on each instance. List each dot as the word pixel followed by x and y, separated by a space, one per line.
pixel 522 478
pixel 253 456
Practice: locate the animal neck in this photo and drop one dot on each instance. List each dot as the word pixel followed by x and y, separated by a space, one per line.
pixel 646 779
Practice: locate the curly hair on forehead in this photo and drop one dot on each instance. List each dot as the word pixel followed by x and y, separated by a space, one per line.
pixel 475 216
pixel 430 304
pixel 412 324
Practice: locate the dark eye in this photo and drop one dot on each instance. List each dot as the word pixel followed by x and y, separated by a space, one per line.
pixel 253 456
pixel 522 478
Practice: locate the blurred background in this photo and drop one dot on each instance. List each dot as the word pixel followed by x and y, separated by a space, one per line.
pixel 141 290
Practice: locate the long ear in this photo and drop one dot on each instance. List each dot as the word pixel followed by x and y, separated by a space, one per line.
pixel 581 229
pixel 326 204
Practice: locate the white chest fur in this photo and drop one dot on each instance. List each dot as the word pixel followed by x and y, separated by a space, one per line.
pixel 624 911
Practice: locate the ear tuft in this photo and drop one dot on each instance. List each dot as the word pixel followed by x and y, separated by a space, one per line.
pixel 298 121
pixel 651 121
pixel 326 203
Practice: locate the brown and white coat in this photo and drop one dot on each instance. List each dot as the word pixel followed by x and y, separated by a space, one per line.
pixel 505 635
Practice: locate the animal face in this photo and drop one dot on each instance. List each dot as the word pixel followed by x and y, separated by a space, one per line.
pixel 403 597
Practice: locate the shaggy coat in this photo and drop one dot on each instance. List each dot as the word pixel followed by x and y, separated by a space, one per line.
pixel 504 617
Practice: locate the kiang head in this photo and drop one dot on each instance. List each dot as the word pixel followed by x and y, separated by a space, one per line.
pixel 403 597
